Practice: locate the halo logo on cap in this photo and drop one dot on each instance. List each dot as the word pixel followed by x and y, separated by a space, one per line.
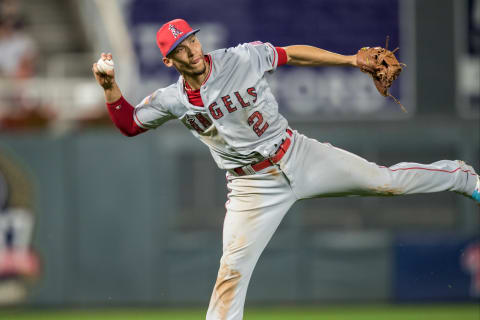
pixel 172 33
pixel 174 30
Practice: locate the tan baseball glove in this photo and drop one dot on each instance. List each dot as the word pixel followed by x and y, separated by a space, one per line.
pixel 382 65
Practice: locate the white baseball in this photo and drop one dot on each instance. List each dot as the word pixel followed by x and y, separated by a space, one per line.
pixel 105 65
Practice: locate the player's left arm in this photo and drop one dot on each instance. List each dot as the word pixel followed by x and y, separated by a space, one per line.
pixel 309 56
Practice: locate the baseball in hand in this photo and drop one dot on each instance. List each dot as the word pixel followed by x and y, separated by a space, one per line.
pixel 104 65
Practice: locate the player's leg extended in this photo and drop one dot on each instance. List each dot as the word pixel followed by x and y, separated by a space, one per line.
pixel 330 171
pixel 255 208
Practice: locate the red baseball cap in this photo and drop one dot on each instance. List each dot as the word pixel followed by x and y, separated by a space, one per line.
pixel 172 33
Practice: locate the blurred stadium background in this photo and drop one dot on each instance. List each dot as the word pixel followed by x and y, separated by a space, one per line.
pixel 90 219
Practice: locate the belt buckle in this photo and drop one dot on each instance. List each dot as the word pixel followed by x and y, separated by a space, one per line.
pixel 248 169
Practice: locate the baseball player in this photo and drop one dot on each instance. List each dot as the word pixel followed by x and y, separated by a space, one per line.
pixel 224 99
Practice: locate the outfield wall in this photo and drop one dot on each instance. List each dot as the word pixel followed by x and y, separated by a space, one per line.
pixel 138 221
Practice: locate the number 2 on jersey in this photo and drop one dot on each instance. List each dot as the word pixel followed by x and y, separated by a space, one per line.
pixel 256 119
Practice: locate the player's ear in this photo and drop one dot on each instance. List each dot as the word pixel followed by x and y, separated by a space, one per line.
pixel 167 61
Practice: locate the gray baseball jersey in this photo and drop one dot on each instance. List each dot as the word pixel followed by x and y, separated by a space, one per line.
pixel 240 122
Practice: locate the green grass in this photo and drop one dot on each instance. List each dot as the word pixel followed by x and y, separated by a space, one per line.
pixel 407 312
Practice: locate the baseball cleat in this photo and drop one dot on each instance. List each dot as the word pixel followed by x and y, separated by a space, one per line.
pixel 476 192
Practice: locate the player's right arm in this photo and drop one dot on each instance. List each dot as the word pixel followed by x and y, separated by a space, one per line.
pixel 107 81
pixel 121 112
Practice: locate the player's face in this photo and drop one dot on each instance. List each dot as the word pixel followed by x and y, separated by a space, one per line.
pixel 187 57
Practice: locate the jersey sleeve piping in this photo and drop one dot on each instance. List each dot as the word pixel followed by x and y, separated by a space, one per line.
pixel 274 55
pixel 138 122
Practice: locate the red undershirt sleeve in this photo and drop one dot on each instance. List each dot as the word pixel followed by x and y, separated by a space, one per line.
pixel 282 56
pixel 121 113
